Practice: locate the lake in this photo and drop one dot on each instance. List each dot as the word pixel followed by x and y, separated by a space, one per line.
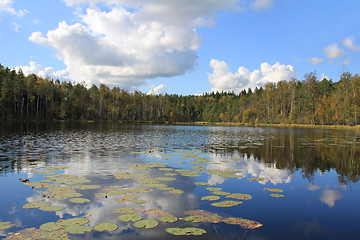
pixel 164 182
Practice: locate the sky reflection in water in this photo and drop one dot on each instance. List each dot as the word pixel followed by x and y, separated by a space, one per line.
pixel 321 191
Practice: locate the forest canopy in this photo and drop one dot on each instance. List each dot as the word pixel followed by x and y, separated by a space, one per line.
pixel 307 101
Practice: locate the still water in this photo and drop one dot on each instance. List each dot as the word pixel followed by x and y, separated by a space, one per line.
pixel 314 175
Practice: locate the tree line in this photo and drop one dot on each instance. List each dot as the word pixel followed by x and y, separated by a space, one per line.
pixel 307 101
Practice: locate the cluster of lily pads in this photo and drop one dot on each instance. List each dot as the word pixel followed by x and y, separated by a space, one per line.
pixel 65 186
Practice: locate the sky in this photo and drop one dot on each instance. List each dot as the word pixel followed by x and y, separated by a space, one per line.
pixel 181 47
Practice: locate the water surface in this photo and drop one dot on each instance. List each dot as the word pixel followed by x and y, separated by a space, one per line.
pixel 317 170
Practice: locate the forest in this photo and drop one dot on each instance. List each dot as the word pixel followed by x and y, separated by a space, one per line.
pixel 307 101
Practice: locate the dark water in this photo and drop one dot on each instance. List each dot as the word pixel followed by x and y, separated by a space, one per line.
pixel 318 171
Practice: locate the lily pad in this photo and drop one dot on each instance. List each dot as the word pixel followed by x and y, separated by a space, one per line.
pixel 50 226
pixel 222 193
pixel 130 217
pixel 6 225
pixel 226 203
pixel 86 187
pixel 36 204
pixel 185 231
pixel 244 223
pixel 124 210
pixel 202 183
pixel 176 191
pixel 240 196
pixel 256 179
pixel 51 208
pixel 59 234
pixel 213 189
pixel 274 190
pixel 149 223
pixel 165 179
pixel 210 198
pixel 74 221
pixel 194 218
pixel 168 219
pixel 77 229
pixel 79 200
pixel 57 168
pixel 105 227
pixel 276 195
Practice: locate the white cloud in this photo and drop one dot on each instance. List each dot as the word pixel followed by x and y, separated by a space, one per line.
pixel 40 71
pixel 124 47
pixel 6 6
pixel 333 51
pixel 348 42
pixel 346 62
pixel 16 26
pixel 262 4
pixel 222 79
pixel 329 197
pixel 161 89
pixel 316 60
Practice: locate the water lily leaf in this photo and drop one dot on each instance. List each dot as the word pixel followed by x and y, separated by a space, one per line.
pixel 176 191
pixel 139 201
pixel 105 227
pixel 222 193
pixel 256 179
pixel 59 234
pixel 276 195
pixel 240 196
pixel 226 203
pixel 23 234
pixel 212 189
pixel 130 217
pixel 168 219
pixel 51 208
pixel 36 204
pixel 148 180
pixel 165 188
pixel 79 200
pixel 124 210
pixel 210 198
pixel 202 183
pixel 38 184
pixel 6 225
pixel 179 162
pixel 43 172
pixel 170 174
pixel 165 169
pixel 62 193
pixel 140 166
pixel 149 223
pixel 198 168
pixel 165 179
pixel 185 231
pixel 206 216
pixel 74 221
pixel 274 190
pixel 77 229
pixel 194 218
pixel 137 190
pixel 244 223
pixel 154 185
pixel 50 227
pixel 123 175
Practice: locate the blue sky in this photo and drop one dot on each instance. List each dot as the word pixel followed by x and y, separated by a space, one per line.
pixel 183 47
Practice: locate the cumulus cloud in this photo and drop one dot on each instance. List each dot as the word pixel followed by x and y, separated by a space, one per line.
pixel 124 47
pixel 222 79
pixel 333 51
pixel 329 197
pixel 316 60
pixel 349 42
pixel 161 89
pixel 262 4
pixel 35 68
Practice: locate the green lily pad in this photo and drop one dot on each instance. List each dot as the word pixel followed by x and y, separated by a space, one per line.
pixel 105 227
pixel 86 187
pixel 148 180
pixel 50 226
pixel 79 200
pixel 244 223
pixel 6 225
pixel 222 193
pixel 38 184
pixel 43 172
pixel 213 189
pixel 202 183
pixel 59 234
pixel 170 174
pixel 226 203
pixel 57 168
pixel 168 219
pixel 62 193
pixel 176 191
pixel 77 229
pixel 274 190
pixel 36 204
pixel 51 208
pixel 149 223
pixel 165 169
pixel 124 210
pixel 256 179
pixel 210 198
pixel 139 201
pixel 276 195
pixel 165 179
pixel 154 185
pixel 206 216
pixel 185 231
pixel 240 196
pixel 130 217
pixel 194 218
